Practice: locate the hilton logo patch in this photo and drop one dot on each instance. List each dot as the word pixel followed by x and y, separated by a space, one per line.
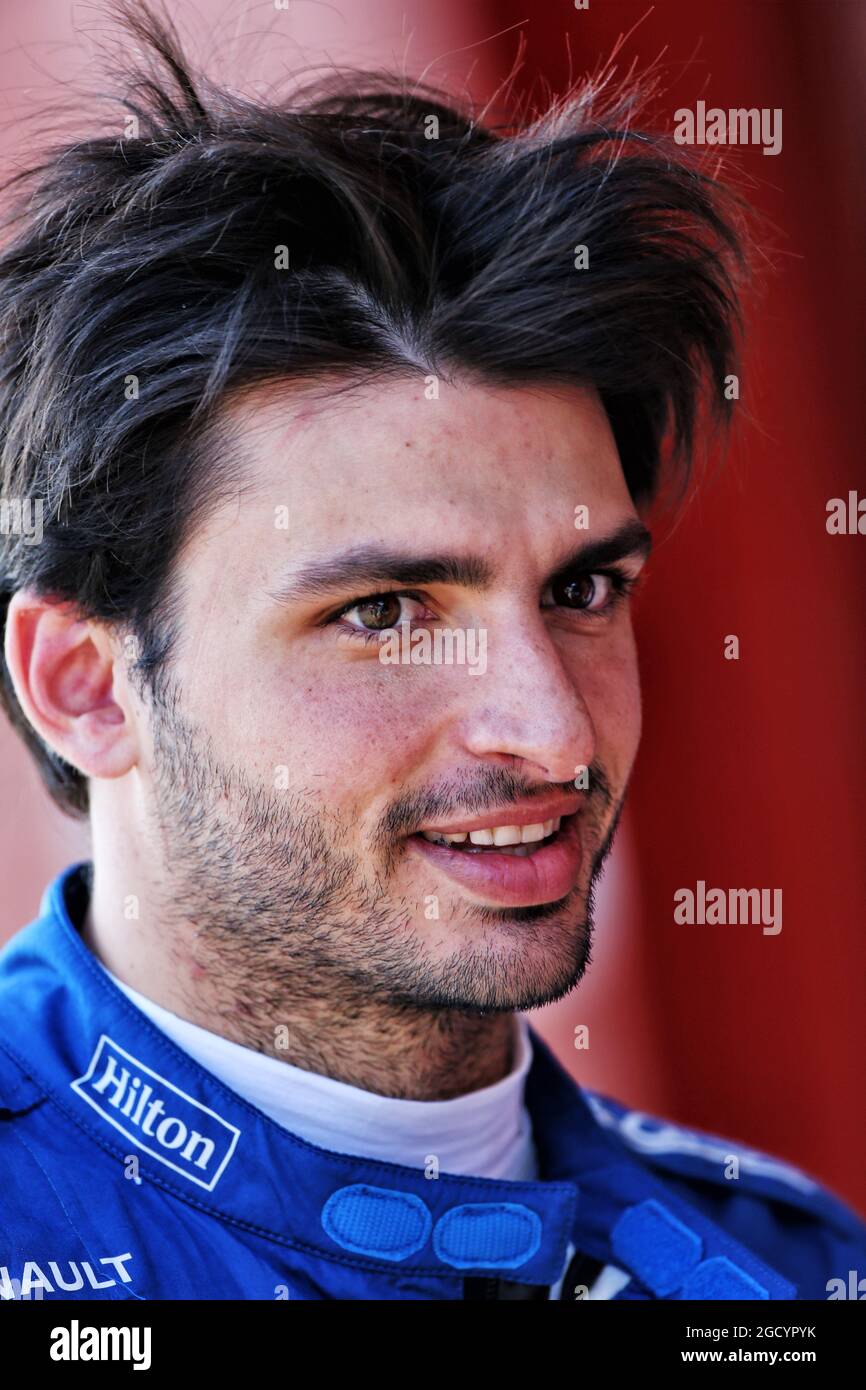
pixel 154 1115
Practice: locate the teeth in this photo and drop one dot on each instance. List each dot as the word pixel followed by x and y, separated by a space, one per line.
pixel 499 836
pixel 481 837
pixel 529 833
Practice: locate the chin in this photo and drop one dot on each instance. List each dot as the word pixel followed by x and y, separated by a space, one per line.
pixel 513 965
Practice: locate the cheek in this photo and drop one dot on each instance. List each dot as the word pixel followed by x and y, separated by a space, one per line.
pixel 609 683
pixel 347 736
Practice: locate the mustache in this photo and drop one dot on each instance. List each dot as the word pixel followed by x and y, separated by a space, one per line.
pixel 493 789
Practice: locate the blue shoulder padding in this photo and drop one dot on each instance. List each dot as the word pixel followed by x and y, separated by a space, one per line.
pixel 696 1153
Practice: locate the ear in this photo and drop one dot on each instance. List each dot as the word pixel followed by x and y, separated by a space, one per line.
pixel 69 678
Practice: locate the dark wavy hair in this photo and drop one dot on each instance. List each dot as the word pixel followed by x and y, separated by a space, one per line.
pixel 420 240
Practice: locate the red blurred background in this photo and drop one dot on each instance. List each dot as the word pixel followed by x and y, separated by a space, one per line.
pixel 751 772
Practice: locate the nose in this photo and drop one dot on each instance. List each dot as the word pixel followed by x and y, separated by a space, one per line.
pixel 528 706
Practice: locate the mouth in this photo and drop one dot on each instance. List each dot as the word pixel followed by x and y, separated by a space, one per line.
pixel 518 841
pixel 510 865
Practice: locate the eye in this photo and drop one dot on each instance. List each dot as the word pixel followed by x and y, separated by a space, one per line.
pixel 378 612
pixel 595 595
pixel 585 591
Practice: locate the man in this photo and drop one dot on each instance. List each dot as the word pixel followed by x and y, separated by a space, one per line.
pixel 306 391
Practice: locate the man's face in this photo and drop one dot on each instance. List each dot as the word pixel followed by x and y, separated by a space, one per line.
pixel 288 778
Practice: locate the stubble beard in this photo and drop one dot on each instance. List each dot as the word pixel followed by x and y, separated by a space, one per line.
pixel 263 890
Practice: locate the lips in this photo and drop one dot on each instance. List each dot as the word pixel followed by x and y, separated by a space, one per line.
pixel 527 813
pixel 540 872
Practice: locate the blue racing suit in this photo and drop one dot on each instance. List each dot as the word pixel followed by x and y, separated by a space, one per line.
pixel 129 1172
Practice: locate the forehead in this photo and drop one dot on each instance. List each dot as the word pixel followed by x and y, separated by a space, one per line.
pixel 493 472
pixel 387 458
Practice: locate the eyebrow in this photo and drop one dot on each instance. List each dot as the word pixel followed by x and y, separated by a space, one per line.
pixel 362 568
